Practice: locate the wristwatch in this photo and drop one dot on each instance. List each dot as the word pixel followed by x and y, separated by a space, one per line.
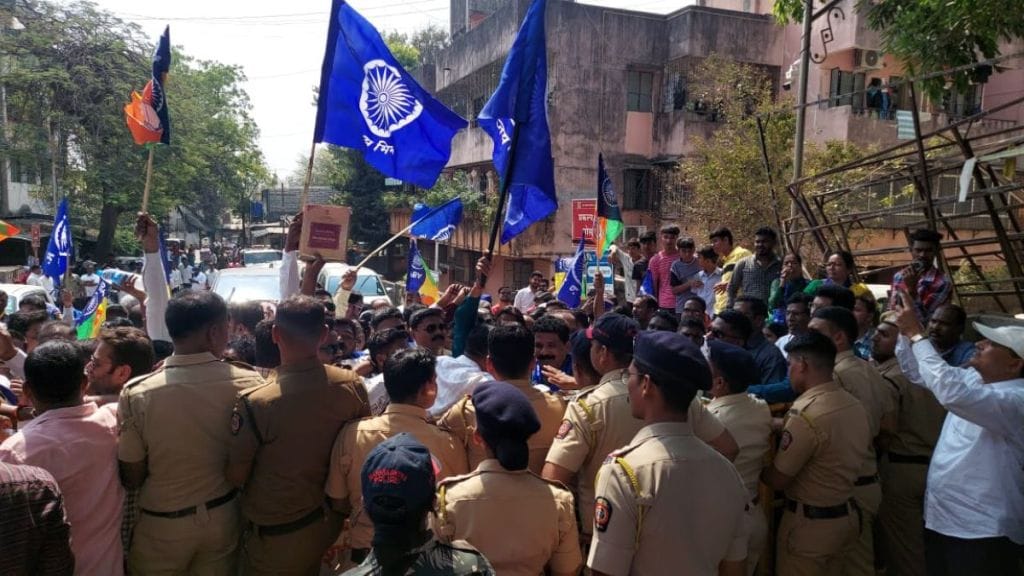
pixel 916 338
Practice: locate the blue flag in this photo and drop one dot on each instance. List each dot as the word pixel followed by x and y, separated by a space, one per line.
pixel 516 119
pixel 415 274
pixel 437 223
pixel 161 66
pixel 572 286
pixel 370 103
pixel 58 251
pixel 647 285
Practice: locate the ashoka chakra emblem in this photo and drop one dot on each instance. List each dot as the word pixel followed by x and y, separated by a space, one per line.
pixel 386 102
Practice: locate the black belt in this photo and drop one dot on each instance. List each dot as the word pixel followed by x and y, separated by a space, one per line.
pixel 210 504
pixel 820 512
pixel 907 459
pixel 293 526
pixel 866 480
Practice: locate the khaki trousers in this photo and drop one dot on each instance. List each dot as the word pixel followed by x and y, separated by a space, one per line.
pixel 901 517
pixel 806 547
pixel 298 553
pixel 203 544
pixel 859 559
pixel 758 524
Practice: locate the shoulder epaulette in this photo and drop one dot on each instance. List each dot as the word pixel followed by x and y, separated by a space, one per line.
pixel 240 364
pixel 142 378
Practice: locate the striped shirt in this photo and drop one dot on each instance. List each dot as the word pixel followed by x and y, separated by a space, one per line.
pixel 35 537
pixel 661 274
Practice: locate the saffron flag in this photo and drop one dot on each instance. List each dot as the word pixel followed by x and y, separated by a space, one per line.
pixel 609 216
pixel 58 251
pixel 516 119
pixel 439 223
pixel 146 115
pixel 368 102
pixel 572 287
pixel 8 230
pixel 419 278
pixel 95 314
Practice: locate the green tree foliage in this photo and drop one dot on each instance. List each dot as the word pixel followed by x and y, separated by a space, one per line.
pixel 406 54
pixel 725 175
pixel 74 68
pixel 361 188
pixel 935 35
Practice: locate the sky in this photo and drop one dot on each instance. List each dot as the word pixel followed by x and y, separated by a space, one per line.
pixel 280 46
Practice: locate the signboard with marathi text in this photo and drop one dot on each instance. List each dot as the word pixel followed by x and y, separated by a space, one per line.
pixel 584 217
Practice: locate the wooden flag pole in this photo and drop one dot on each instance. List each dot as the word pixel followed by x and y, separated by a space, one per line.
pixel 309 177
pixel 391 240
pixel 149 175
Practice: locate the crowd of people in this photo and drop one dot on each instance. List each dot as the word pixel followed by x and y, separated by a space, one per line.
pixel 722 400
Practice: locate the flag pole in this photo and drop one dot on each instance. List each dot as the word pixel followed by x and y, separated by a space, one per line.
pixel 149 175
pixel 309 176
pixel 398 235
pixel 502 198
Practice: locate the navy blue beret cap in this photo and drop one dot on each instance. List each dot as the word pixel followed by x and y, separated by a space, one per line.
pixel 506 420
pixel 672 359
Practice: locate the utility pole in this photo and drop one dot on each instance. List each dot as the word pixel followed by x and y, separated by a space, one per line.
pixel 801 96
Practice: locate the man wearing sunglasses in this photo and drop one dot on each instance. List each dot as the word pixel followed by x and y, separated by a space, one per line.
pixel 429 329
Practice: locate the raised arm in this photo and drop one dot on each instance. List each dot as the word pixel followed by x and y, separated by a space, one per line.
pixel 153 277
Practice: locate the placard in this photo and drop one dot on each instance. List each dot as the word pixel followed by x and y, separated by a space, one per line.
pixel 324 232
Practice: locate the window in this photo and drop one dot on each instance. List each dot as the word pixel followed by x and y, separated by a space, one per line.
pixel 639 91
pixel 636 190
pixel 678 92
pixel 842 85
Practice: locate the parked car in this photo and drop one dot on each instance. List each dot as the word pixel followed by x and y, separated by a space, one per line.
pixel 265 257
pixel 15 292
pixel 260 283
pixel 368 283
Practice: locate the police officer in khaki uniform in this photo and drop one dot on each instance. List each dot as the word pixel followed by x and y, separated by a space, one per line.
pixel 600 419
pixel 904 467
pixel 859 378
pixel 411 383
pixel 282 433
pixel 668 504
pixel 749 420
pixel 173 443
pixel 398 494
pixel 523 524
pixel 509 359
pixel 825 439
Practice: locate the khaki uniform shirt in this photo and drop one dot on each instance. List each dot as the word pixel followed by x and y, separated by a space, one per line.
pixel 859 378
pixel 286 428
pixel 598 421
pixel 358 438
pixel 920 414
pixel 667 504
pixel 519 521
pixel 825 441
pixel 749 420
pixel 461 420
pixel 177 419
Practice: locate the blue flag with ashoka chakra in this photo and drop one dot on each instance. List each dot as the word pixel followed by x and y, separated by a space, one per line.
pixel 368 102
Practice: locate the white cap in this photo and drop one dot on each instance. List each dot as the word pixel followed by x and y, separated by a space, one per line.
pixel 1010 336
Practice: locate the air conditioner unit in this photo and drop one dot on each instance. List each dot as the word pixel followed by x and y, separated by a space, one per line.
pixel 633 232
pixel 867 59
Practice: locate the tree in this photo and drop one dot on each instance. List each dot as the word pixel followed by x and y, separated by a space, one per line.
pixel 79 65
pixel 725 175
pixel 362 187
pixel 324 167
pixel 406 54
pixel 430 41
pixel 934 35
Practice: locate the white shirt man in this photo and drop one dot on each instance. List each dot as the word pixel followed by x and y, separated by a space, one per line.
pixel 90 281
pixel 975 490
pixel 525 297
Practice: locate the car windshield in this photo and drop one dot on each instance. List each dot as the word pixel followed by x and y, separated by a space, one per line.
pixel 244 287
pixel 261 257
pixel 365 285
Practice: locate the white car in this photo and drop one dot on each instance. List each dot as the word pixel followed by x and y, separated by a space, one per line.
pixel 244 284
pixel 15 293
pixel 264 257
pixel 368 283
